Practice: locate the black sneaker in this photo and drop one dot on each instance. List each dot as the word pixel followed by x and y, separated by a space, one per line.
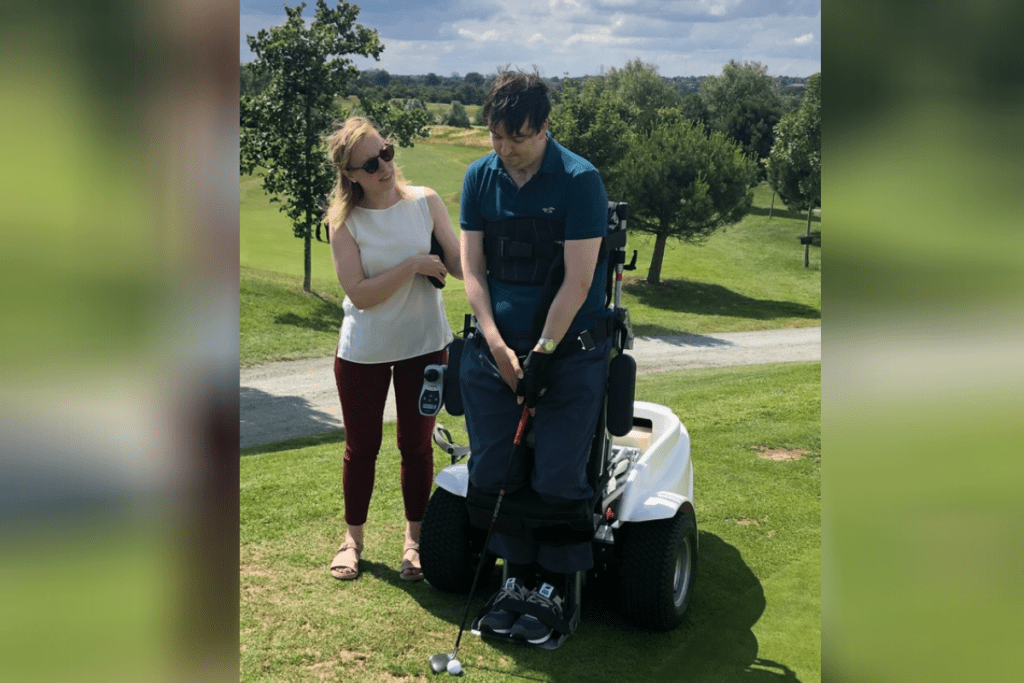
pixel 500 620
pixel 530 627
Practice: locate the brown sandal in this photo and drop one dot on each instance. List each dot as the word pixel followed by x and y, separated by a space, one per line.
pixel 411 569
pixel 346 567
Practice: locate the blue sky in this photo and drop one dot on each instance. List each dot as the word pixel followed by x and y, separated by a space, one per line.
pixel 576 37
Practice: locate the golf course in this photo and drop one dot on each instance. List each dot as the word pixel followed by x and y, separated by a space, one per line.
pixel 755 431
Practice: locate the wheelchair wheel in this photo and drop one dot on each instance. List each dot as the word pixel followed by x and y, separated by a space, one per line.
pixel 449 546
pixel 657 567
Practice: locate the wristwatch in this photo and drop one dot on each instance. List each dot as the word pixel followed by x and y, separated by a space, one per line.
pixel 547 345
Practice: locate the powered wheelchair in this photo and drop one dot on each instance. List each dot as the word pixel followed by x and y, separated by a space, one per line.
pixel 641 519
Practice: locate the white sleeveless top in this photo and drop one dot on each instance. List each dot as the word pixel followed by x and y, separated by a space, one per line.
pixel 412 322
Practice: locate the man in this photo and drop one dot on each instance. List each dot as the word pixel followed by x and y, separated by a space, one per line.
pixel 533 218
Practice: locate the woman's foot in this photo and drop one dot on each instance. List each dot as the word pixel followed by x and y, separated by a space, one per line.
pixel 411 569
pixel 345 565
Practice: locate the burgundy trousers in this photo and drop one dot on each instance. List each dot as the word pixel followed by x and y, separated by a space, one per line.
pixel 363 390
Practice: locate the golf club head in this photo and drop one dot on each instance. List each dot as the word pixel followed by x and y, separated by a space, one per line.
pixel 439 662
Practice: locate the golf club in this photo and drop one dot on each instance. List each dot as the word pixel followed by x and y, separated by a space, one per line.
pixel 439 662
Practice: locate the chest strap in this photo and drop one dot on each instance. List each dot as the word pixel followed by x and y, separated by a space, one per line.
pixel 520 251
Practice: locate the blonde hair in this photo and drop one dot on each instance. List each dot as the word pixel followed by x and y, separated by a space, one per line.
pixel 346 194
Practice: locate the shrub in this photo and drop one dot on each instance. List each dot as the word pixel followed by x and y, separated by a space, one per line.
pixel 456 116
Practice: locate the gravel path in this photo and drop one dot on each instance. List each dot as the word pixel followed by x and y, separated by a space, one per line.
pixel 293 399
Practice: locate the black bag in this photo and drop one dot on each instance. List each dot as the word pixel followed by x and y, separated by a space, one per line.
pixel 436 250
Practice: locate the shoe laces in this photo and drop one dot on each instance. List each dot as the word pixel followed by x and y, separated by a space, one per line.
pixel 551 601
pixel 513 589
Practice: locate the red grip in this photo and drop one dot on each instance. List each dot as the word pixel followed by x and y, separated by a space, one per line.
pixel 521 430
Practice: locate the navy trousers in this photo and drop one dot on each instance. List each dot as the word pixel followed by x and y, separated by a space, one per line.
pixel 564 428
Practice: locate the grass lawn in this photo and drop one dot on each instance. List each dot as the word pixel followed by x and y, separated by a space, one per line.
pixel 747 277
pixel 755 615
pixel 755 612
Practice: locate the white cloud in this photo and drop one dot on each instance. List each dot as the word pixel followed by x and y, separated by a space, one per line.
pixel 681 37
pixel 486 37
pixel 715 8
pixel 602 37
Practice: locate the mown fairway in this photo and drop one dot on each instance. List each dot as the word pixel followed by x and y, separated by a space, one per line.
pixel 747 277
pixel 755 614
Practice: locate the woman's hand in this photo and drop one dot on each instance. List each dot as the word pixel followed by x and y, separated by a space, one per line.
pixel 429 265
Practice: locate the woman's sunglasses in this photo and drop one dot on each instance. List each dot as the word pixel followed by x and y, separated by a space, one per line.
pixel 372 165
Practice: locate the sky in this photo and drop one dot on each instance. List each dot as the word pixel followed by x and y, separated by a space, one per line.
pixel 575 37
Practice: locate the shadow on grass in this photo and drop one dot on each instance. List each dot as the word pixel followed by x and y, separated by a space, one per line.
pixel 690 340
pixel 324 319
pixel 783 212
pixel 701 298
pixel 323 315
pixel 715 642
pixel 269 423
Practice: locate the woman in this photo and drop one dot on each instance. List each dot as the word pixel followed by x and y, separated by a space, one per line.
pixel 394 322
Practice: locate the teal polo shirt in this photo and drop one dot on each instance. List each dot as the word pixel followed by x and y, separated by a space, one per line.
pixel 567 188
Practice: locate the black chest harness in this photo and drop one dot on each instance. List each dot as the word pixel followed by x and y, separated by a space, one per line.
pixel 522 251
pixel 531 251
pixel 525 251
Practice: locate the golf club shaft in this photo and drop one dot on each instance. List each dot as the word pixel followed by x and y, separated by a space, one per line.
pixel 520 433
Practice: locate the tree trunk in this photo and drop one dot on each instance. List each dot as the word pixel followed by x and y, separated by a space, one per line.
pixel 772 207
pixel 807 247
pixel 654 272
pixel 308 259
pixel 308 256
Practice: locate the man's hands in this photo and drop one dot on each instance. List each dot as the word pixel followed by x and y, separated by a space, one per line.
pixel 536 379
pixel 508 365
pixel 530 380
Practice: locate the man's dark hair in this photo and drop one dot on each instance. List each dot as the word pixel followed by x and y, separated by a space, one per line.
pixel 516 97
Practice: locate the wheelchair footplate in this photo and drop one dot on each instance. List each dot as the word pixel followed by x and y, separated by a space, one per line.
pixel 561 628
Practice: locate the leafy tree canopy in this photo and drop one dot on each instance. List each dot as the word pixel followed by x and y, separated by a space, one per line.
pixel 456 116
pixel 794 165
pixel 303 68
pixel 592 121
pixel 639 86
pixel 680 181
pixel 745 104
pixel 684 183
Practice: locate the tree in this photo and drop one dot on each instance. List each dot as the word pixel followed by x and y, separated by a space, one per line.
pixel 794 166
pixel 456 116
pixel 283 125
pixel 591 120
pixel 745 104
pixel 679 180
pixel 402 124
pixel 693 108
pixel 478 117
pixel 682 183
pixel 640 87
pixel 248 82
pixel 414 104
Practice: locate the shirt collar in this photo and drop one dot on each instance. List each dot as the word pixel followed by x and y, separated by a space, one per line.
pixel 551 154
